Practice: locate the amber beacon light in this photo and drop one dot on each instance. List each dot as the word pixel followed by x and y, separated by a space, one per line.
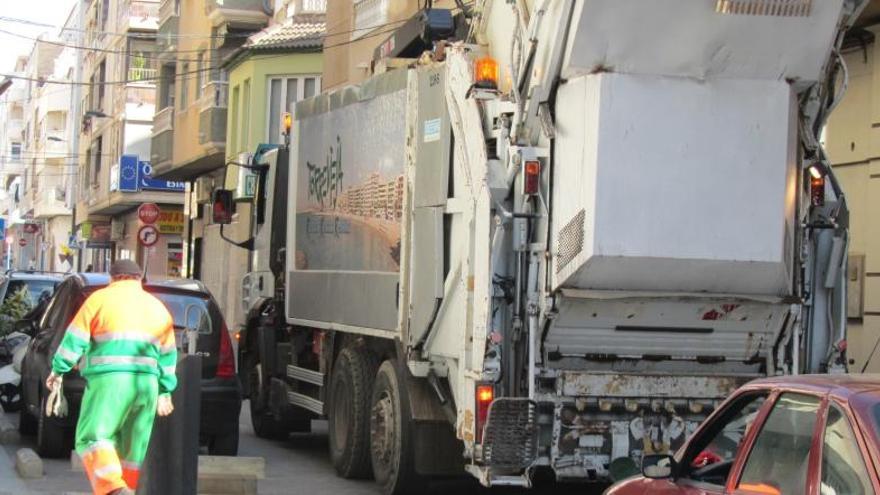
pixel 486 73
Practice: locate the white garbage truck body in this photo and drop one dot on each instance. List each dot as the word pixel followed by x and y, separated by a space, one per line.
pixel 570 261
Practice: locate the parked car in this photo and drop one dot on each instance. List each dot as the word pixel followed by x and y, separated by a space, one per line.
pixel 39 285
pixel 814 434
pixel 192 307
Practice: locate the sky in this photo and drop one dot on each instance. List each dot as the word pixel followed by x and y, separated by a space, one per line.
pixel 53 12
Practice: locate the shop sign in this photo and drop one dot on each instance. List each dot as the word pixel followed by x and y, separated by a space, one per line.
pixel 170 222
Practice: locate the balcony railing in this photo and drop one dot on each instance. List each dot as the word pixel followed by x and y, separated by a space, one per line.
pixel 146 74
pixel 164 120
pixel 312 7
pixel 214 95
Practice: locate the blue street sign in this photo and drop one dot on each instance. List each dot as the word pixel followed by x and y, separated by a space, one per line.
pixel 2 229
pixel 128 173
pixel 136 175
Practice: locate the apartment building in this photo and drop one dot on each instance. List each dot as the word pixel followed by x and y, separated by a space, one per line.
pixel 852 139
pixel 12 103
pixel 355 28
pixel 115 173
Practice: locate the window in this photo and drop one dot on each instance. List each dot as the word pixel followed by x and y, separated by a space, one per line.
pixel 779 457
pixel 843 469
pixel 102 78
pixel 105 13
pixel 183 85
pixel 16 151
pixel 233 137
pixel 711 456
pixel 96 161
pixel 245 115
pixel 283 93
pixel 200 73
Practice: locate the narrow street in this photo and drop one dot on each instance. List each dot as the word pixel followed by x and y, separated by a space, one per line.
pixel 301 465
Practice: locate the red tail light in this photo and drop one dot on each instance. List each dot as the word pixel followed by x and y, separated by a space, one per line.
pixel 485 396
pixel 817 191
pixel 531 177
pixel 226 361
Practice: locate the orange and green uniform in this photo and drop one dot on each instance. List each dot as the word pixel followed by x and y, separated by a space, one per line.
pixel 125 338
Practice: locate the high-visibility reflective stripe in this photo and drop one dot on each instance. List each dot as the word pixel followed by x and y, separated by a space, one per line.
pixel 99 360
pixel 134 466
pixel 108 470
pixel 129 336
pixel 99 445
pixel 67 353
pixel 165 349
pixel 78 333
pixel 169 370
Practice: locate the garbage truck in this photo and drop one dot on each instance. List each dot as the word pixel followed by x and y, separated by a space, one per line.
pixel 554 239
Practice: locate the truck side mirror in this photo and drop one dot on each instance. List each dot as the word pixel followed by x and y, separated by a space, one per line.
pixel 222 206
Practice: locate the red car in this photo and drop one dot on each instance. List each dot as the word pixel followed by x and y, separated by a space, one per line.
pixel 817 435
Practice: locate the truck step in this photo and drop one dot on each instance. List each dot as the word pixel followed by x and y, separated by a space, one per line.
pixel 305 402
pixel 510 440
pixel 305 375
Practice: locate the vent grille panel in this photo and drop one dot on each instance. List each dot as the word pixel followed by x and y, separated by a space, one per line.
pixel 775 8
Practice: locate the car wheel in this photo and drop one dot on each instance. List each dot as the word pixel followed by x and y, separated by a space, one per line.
pixel 391 434
pixel 51 436
pixel 348 416
pixel 224 444
pixel 27 423
pixel 264 423
pixel 10 397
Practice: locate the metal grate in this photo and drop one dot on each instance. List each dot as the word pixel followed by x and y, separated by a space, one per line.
pixel 510 440
pixel 778 8
pixel 571 241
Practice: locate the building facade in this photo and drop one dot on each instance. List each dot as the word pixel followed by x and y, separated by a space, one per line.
pixel 852 140
pixel 115 172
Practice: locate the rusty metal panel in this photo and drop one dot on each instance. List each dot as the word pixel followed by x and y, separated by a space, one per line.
pixel 573 384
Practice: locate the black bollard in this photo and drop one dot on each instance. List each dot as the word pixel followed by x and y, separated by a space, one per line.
pixel 172 463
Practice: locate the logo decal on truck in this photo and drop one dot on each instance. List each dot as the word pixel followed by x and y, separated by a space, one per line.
pixel 325 183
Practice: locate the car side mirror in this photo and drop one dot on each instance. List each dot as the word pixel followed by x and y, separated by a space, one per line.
pixel 658 466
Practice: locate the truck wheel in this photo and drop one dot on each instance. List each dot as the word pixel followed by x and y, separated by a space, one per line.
pixel 348 419
pixel 391 433
pixel 264 423
pixel 51 438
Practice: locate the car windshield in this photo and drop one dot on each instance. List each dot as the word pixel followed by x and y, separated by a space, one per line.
pixel 34 289
pixel 197 317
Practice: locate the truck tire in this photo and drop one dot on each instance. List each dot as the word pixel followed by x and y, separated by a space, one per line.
pixel 391 435
pixel 51 436
pixel 348 414
pixel 264 423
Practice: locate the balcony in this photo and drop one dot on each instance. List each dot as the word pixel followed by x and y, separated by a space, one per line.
pixel 214 94
pixel 169 23
pixel 310 6
pixel 49 202
pixel 146 75
pixel 55 144
pixel 139 14
pixel 162 143
pixel 243 14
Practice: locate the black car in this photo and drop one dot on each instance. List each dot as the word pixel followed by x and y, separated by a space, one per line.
pixel 191 305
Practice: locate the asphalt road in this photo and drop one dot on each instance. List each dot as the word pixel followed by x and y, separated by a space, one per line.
pixel 299 465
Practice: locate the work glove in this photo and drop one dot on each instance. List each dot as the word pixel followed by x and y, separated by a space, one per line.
pixel 56 403
pixel 164 407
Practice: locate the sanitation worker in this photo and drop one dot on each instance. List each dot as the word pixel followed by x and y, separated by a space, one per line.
pixel 127 338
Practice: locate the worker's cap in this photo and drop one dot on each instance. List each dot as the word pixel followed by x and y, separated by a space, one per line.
pixel 125 267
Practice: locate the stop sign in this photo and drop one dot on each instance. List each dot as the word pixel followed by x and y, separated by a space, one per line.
pixel 22 242
pixel 148 213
